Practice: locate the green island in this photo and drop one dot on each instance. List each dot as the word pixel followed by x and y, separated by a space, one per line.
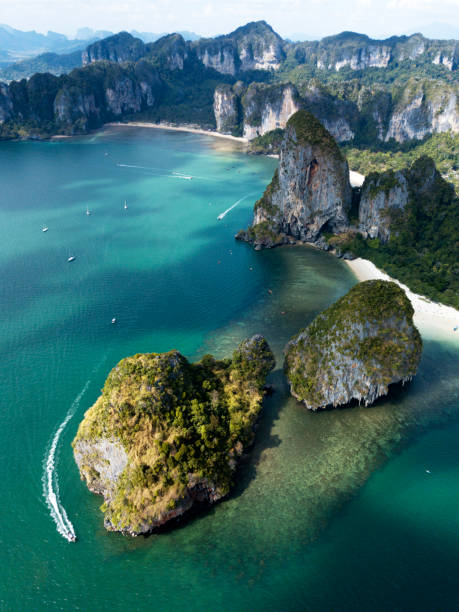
pixel 405 220
pixel 167 433
pixel 355 349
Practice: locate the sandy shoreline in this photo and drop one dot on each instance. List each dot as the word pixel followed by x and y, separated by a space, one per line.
pixel 178 128
pixel 435 321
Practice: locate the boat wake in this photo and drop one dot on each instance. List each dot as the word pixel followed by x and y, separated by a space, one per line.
pixel 224 213
pixel 50 481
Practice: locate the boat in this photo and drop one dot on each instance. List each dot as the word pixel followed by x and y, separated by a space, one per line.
pixel 71 258
pixel 125 205
pixel 71 537
pixel 114 320
pixel 44 228
pixel 88 212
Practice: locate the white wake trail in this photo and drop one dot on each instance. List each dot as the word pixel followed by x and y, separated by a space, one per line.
pixel 222 215
pixel 50 481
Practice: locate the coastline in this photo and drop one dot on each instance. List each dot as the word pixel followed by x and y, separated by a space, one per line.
pixel 434 320
pixel 178 128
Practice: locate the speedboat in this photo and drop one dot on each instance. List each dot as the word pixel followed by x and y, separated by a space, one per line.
pixel 71 258
pixel 71 537
pixel 125 205
pixel 114 320
pixel 44 228
pixel 88 212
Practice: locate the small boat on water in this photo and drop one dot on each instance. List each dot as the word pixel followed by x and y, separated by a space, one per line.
pixel 44 228
pixel 71 258
pixel 88 212
pixel 114 320
pixel 71 537
pixel 125 205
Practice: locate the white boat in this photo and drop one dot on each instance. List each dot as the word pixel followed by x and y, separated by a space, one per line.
pixel 114 320
pixel 71 258
pixel 125 205
pixel 88 212
pixel 44 228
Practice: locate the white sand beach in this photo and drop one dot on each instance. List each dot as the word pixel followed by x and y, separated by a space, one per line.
pixel 178 128
pixel 356 179
pixel 433 320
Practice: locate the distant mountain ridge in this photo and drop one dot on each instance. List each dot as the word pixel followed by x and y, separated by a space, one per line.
pixel 247 82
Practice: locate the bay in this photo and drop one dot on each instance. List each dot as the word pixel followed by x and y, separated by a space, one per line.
pixel 331 511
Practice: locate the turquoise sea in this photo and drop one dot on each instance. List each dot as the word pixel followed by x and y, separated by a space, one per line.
pixel 344 510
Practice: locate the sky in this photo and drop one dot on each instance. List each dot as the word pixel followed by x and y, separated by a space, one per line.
pixel 313 18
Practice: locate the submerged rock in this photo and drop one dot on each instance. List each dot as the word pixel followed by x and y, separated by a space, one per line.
pixel 166 433
pixel 355 349
pixel 310 193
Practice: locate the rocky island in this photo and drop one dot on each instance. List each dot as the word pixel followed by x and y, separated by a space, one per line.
pixel 310 192
pixel 404 221
pixel 166 434
pixel 355 349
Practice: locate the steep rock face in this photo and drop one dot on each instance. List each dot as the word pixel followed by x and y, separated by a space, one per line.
pixel 226 109
pixel 171 50
pixel 254 46
pixel 119 48
pixel 220 56
pixel 386 195
pixel 381 195
pixel 258 47
pixel 124 91
pixel 71 105
pixel 309 193
pixel 6 105
pixel 358 52
pixel 368 57
pixel 424 107
pixel 268 107
pixel 355 349
pixel 166 433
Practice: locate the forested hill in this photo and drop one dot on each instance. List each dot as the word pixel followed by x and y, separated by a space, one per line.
pixel 248 82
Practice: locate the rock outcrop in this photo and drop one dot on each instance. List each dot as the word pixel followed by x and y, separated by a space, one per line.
pixel 268 107
pixel 254 46
pixel 425 106
pixel 382 194
pixel 226 109
pixel 355 349
pixel 122 47
pixel 358 51
pixel 385 197
pixel 166 434
pixel 6 105
pixel 309 193
pixel 171 51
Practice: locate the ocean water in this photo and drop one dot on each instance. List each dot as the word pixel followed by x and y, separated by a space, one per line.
pixel 352 509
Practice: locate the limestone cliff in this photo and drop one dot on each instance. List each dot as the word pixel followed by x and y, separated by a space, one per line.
pixel 359 52
pixel 254 46
pixel 382 194
pixel 385 197
pixel 268 107
pixel 423 107
pixel 121 47
pixel 6 105
pixel 166 434
pixel 309 193
pixel 171 51
pixel 226 109
pixel 355 349
pixel 125 90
